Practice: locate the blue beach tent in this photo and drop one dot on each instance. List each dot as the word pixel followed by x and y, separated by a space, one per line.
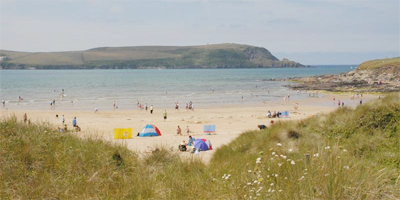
pixel 150 130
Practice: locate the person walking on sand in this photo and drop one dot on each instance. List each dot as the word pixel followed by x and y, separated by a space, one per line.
pixel 165 115
pixel 114 105
pixel 145 105
pixel 4 103
pixel 25 118
pixel 63 119
pixel 74 122
pixel 187 130
pixel 179 131
pixel 151 109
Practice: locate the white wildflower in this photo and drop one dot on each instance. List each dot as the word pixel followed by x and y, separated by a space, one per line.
pixel 344 150
pixel 346 167
pixel 258 194
pixel 245 196
pixel 305 169
pixel 213 179
pixel 248 183
pixel 276 175
pixel 259 189
pixel 285 178
pixel 290 150
pixel 258 162
pixel 300 179
pixel 279 190
pixel 258 159
pixel 255 181
pixel 288 160
pixel 227 177
pixel 279 164
pixel 224 176
pixel 327 147
pixel 273 153
pixel 326 175
pixel 283 156
pixel 249 171
pixel 279 144
pixel 316 155
pixel 272 158
pixel 267 176
pixel 305 173
pixel 272 184
pixel 292 162
pixel 269 190
pixel 272 191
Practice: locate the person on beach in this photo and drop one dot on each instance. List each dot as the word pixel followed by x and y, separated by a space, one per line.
pixel 269 115
pixel 261 126
pixel 95 110
pixel 145 105
pixel 296 106
pixel 360 101
pixel 151 109
pixel 63 119
pixel 25 118
pixel 54 102
pixel 187 130
pixel 114 105
pixel 4 103
pixel 191 141
pixel 74 122
pixel 165 115
pixel 182 146
pixel 179 131
pixel 338 103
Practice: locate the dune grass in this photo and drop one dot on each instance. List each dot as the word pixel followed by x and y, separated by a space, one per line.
pixel 347 154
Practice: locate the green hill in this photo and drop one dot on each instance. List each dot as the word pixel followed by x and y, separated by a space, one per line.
pixel 206 56
pixel 347 154
pixel 380 63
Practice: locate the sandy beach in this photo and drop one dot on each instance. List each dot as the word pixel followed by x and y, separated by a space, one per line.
pixel 230 121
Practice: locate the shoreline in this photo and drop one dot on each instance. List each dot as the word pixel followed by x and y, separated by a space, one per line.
pixel 230 121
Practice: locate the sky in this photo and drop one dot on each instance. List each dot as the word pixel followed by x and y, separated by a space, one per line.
pixel 307 31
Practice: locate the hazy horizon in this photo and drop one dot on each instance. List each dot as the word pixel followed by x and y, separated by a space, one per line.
pixel 309 32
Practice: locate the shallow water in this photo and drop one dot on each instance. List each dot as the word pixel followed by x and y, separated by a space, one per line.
pixel 89 89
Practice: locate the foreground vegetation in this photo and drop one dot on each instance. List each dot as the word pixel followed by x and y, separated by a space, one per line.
pixel 205 56
pixel 348 154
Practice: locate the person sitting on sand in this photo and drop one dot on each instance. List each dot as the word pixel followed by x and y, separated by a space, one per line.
pixel 272 122
pixel 179 131
pixel 274 115
pixel 269 115
pixel 261 126
pixel 182 146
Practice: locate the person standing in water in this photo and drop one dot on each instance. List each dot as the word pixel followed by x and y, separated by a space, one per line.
pixel 165 115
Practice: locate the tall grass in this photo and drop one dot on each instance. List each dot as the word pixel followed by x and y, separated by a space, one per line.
pixel 348 154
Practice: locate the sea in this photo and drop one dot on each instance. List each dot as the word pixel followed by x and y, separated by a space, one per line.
pixel 90 89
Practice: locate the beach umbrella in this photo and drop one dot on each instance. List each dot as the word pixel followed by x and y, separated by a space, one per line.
pixel 202 144
pixel 150 130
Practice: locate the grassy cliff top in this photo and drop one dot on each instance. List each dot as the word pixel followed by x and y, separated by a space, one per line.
pixel 203 56
pixel 380 63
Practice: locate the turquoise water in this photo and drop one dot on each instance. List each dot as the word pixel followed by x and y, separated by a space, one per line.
pixel 89 89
